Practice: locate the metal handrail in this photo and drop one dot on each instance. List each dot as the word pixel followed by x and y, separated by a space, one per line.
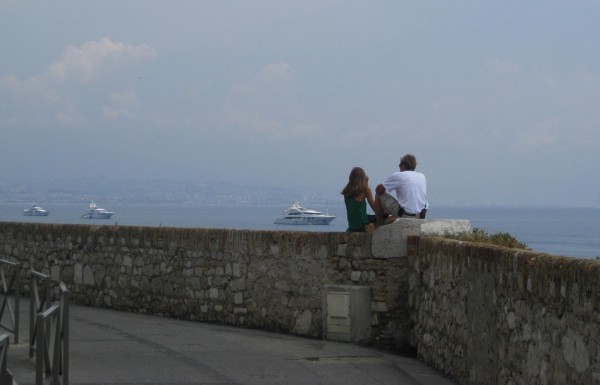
pixel 15 285
pixel 49 330
pixel 52 345
pixel 64 300
pixel 37 304
pixel 48 346
pixel 6 377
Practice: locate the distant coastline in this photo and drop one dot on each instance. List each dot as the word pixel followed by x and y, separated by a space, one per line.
pixel 560 231
pixel 107 191
pixel 147 191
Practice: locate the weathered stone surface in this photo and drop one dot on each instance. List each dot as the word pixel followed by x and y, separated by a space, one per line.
pixel 491 315
pixel 482 314
pixel 442 226
pixel 389 241
pixel 303 323
pixel 271 280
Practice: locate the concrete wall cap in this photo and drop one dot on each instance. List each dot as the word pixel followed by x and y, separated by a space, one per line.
pixel 389 241
pixel 443 226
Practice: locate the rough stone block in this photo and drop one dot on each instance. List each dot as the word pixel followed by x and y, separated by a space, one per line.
pixel 78 274
pixel 88 276
pixel 444 226
pixel 389 241
pixel 303 323
pixel 236 270
pixel 238 298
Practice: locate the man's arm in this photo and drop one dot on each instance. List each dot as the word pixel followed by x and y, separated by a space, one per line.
pixel 377 207
pixel 370 199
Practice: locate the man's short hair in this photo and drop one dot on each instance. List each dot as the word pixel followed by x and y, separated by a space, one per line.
pixel 409 161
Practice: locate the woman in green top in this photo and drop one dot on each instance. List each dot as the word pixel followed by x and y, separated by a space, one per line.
pixel 356 195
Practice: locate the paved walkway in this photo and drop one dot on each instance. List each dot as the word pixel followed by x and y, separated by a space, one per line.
pixel 111 347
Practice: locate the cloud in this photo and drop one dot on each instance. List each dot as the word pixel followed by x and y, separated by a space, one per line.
pixel 275 72
pixel 55 96
pixel 268 105
pixel 35 103
pixel 124 106
pixel 545 133
pixel 10 83
pixel 69 118
pixel 370 136
pixel 84 63
pixel 269 127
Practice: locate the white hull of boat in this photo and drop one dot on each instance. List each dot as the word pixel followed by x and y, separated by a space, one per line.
pixel 29 213
pixel 305 221
pixel 35 211
pixel 298 215
pixel 97 216
pixel 96 212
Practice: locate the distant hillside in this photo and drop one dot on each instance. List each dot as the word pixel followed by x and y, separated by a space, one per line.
pixel 103 189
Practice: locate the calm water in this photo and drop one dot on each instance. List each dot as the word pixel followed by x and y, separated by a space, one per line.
pixel 572 232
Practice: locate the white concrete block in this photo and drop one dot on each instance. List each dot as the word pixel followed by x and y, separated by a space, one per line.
pixel 443 226
pixel 389 241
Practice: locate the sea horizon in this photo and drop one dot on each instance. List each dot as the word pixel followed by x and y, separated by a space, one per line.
pixel 563 231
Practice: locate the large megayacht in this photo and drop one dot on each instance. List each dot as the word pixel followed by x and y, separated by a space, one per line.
pixel 298 215
pixel 95 212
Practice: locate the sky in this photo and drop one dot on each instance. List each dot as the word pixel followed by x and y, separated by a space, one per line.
pixel 498 100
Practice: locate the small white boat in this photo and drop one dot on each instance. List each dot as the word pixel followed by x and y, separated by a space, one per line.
pixel 35 211
pixel 96 212
pixel 298 215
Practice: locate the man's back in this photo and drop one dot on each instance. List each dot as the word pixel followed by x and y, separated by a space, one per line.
pixel 410 188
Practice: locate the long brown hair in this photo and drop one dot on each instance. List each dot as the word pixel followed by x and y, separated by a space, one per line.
pixel 357 183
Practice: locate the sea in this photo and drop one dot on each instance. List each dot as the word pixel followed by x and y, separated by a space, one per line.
pixel 573 232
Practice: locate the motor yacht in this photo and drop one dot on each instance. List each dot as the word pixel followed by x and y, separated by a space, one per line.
pixel 35 211
pixel 298 215
pixel 95 212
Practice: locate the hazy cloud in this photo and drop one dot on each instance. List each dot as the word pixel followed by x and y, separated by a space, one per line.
pixel 84 63
pixel 277 72
pixel 267 104
pixel 544 134
pixel 124 106
pixel 45 98
pixel 299 92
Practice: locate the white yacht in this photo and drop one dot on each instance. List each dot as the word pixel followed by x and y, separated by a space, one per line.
pixel 96 212
pixel 35 211
pixel 298 215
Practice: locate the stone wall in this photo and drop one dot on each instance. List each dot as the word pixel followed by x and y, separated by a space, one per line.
pixel 488 315
pixel 481 314
pixel 261 279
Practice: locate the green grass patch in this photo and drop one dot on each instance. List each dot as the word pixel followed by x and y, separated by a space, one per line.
pixel 481 236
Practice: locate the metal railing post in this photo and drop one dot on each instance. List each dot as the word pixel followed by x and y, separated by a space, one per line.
pixel 49 330
pixel 48 345
pixel 40 362
pixel 6 377
pixel 37 305
pixel 65 296
pixel 15 285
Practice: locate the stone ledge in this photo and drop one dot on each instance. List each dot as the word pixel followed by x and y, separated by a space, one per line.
pixel 389 241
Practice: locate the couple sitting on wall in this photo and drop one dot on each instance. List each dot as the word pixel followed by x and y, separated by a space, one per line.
pixel 411 193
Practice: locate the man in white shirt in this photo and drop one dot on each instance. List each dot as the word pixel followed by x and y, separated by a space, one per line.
pixel 411 193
